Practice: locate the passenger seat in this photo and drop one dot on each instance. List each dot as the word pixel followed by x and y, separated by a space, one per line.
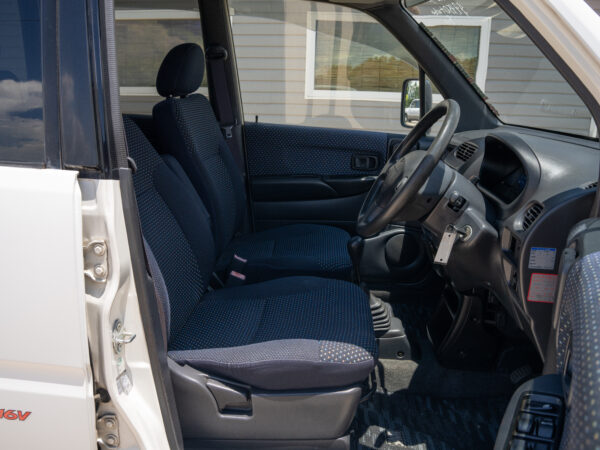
pixel 282 360
pixel 187 128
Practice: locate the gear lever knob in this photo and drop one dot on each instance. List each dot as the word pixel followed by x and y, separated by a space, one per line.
pixel 356 244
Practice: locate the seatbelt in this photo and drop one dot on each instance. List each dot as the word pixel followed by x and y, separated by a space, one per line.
pixel 215 59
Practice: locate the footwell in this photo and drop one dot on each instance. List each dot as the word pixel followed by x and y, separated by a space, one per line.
pixel 423 405
pixel 404 420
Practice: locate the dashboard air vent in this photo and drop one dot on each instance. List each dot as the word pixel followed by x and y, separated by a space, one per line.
pixel 532 213
pixel 466 150
pixel 591 185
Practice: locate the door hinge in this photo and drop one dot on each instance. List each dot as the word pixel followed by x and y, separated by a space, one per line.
pixel 108 431
pixel 95 261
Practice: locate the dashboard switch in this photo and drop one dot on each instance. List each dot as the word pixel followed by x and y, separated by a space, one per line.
pixel 542 404
pixel 545 428
pixel 456 201
pixel 525 423
pixel 518 444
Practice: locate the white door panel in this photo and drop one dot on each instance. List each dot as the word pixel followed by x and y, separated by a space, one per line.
pixel 44 358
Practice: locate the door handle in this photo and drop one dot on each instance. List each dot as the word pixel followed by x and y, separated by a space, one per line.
pixel 361 161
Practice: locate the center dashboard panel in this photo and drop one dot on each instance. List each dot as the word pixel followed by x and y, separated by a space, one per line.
pixel 502 173
pixel 536 186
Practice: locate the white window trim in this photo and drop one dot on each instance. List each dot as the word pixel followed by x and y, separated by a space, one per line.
pixel 326 94
pixel 153 14
pixel 485 28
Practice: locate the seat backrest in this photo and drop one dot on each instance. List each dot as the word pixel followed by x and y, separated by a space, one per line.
pixel 188 129
pixel 175 225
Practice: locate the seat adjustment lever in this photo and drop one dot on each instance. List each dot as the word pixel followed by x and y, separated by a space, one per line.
pixel 230 399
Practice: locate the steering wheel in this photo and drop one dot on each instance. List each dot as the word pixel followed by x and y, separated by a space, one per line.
pixel 405 173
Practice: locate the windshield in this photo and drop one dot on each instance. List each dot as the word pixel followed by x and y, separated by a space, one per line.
pixel 519 82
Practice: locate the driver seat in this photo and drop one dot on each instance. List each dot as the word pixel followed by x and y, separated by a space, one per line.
pixel 187 129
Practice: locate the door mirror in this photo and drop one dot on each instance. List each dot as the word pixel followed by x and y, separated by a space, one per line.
pixel 414 104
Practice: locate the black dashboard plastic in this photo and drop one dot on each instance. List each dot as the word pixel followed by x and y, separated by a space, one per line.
pixel 535 187
pixel 502 173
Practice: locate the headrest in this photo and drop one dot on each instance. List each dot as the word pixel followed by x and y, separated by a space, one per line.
pixel 181 71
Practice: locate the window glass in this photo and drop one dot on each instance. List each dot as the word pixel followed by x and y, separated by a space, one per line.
pixel 317 64
pixel 21 99
pixel 519 82
pixel 145 32
pixel 363 59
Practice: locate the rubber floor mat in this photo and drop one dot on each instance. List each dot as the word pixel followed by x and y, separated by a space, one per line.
pixel 405 420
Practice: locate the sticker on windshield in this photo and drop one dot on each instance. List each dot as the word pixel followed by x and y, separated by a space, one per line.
pixel 542 287
pixel 542 258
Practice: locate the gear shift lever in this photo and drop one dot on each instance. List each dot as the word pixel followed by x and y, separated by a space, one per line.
pixel 356 244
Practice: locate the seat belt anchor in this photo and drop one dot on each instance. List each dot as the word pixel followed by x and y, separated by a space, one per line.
pixel 227 131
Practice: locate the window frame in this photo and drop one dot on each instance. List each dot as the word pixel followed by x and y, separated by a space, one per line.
pixel 310 93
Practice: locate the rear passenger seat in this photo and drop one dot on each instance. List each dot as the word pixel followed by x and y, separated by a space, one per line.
pixel 284 334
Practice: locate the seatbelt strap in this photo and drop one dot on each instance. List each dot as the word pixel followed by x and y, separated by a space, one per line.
pixel 215 62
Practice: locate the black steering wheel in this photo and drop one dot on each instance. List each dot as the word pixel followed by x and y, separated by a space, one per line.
pixel 405 173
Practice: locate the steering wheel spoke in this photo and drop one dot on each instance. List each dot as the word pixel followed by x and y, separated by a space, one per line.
pixel 405 173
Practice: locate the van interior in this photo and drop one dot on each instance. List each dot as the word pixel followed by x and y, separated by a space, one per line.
pixel 356 217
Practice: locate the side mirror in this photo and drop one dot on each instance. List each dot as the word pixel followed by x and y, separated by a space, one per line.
pixel 414 105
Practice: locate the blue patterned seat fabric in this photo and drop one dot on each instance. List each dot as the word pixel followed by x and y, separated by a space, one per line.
pixel 284 334
pixel 188 129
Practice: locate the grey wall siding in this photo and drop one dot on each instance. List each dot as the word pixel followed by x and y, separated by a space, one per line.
pixel 271 53
pixel 271 37
pixel 525 88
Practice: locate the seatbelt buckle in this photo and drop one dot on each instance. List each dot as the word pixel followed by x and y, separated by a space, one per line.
pixel 236 271
pixel 235 279
pixel 237 262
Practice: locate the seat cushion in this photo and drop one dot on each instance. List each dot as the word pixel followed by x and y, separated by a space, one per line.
pixel 289 333
pixel 302 249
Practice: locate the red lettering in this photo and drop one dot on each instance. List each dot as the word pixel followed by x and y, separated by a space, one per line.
pixel 23 415
pixel 13 414
pixel 10 414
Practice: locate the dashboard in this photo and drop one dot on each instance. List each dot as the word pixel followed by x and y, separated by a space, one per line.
pixel 524 190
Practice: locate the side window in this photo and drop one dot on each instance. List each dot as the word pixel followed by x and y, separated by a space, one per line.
pixel 310 63
pixel 145 31
pixel 21 99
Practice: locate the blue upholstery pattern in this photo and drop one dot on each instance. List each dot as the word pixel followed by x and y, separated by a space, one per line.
pixel 166 209
pixel 579 333
pixel 189 131
pixel 293 250
pixel 289 333
pixel 296 321
pixel 281 150
pixel 160 289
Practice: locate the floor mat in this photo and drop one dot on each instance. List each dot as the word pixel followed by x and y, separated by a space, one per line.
pixel 422 405
pixel 405 420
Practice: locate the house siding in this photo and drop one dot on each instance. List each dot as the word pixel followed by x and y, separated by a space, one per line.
pixel 270 43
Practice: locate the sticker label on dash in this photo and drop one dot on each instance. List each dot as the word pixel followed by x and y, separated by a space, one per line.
pixel 542 287
pixel 542 258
